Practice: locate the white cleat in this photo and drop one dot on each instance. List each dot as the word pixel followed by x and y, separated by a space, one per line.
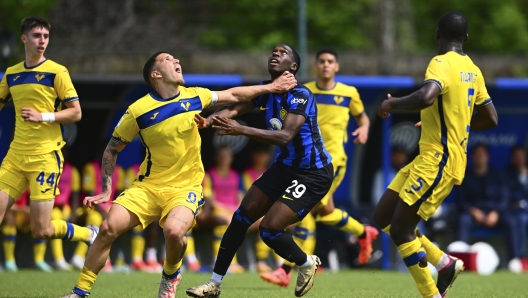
pixel 62 265
pixel 209 289
pixel 11 266
pixel 77 262
pixel 43 266
pixel 73 295
pixel 94 231
pixel 168 287
pixel 305 277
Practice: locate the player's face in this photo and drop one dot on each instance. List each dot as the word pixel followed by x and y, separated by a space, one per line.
pixel 281 60
pixel 36 40
pixel 518 158
pixel 326 66
pixel 224 158
pixel 480 157
pixel 169 69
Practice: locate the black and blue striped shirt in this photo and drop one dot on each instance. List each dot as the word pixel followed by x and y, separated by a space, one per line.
pixel 306 150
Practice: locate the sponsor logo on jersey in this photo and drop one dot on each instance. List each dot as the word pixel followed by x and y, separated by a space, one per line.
pixel 300 101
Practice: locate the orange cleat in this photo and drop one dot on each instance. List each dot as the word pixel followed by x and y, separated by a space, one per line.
pixel 365 244
pixel 194 266
pixel 155 267
pixel 263 267
pixel 140 265
pixel 277 277
pixel 235 268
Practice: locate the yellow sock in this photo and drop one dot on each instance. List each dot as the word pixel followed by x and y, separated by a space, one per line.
pixel 262 251
pixel 218 233
pixel 343 221
pixel 304 234
pixel 434 254
pixel 190 244
pixel 39 250
pixel 56 244
pixel 386 230
pixel 137 247
pixel 85 282
pixel 9 242
pixel 412 252
pixel 69 231
pixel 171 271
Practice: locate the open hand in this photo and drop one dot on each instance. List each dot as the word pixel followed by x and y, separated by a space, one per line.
pixel 201 121
pixel 31 115
pixel 361 134
pixel 96 200
pixel 385 107
pixel 285 82
pixel 229 126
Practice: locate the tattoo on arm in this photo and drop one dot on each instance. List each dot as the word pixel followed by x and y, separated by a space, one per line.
pixel 178 219
pixel 109 161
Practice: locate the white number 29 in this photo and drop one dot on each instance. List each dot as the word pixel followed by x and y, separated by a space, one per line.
pixel 299 189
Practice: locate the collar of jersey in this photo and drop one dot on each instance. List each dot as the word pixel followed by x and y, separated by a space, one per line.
pixel 159 98
pixel 26 67
pixel 335 85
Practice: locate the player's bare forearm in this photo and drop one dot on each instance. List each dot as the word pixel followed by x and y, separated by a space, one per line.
pixel 363 120
pixel 109 161
pixel 485 118
pixel 416 101
pixel 233 110
pixel 72 113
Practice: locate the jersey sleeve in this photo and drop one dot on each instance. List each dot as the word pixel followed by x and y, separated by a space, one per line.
pixel 64 87
pixel 356 107
pixel 5 95
pixel 88 179
pixel 126 129
pixel 298 102
pixel 482 97
pixel 75 180
pixel 207 186
pixel 438 72
pixel 207 97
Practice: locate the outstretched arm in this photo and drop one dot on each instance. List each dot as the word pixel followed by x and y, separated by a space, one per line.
pixel 107 170
pixel 230 111
pixel 485 118
pixel 290 128
pixel 418 100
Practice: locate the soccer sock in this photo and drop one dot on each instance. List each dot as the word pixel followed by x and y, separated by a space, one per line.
pixel 190 252
pixel 218 233
pixel 304 234
pixel 340 219
pixel 414 256
pixel 85 282
pixel 9 233
pixel 282 243
pixel 287 266
pixel 137 243
pixel 435 255
pixel 69 231
pixel 170 271
pixel 232 240
pixel 39 250
pixel 56 244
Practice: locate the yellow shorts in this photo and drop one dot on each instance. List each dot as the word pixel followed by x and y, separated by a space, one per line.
pixel 339 174
pixel 150 202
pixel 40 172
pixel 424 182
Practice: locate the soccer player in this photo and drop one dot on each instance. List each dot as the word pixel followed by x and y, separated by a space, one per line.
pixel 335 103
pixel 168 186
pixel 453 88
pixel 38 88
pixel 298 179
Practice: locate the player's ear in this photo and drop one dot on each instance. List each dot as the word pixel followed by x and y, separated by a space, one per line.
pixel 337 66
pixel 294 66
pixel 23 38
pixel 466 38
pixel 155 74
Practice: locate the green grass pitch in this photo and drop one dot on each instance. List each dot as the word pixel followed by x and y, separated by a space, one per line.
pixel 357 283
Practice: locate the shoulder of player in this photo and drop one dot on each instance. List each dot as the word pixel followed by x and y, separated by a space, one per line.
pixel 52 66
pixel 15 68
pixel 301 91
pixel 312 86
pixel 344 88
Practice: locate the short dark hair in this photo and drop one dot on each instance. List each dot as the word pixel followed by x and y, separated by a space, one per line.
pixel 326 51
pixel 29 23
pixel 149 66
pixel 453 26
pixel 517 147
pixel 296 58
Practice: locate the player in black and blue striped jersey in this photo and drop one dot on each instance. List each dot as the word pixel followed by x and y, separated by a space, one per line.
pixel 298 179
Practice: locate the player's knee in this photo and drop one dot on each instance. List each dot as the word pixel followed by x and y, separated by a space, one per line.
pixel 268 235
pixel 108 232
pixel 241 218
pixel 401 234
pixel 175 235
pixel 42 232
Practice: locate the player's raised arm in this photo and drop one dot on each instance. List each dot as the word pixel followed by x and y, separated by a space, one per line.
pixel 418 100
pixel 485 118
pixel 229 111
pixel 282 84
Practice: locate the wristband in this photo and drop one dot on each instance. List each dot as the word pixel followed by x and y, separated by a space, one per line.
pixel 48 117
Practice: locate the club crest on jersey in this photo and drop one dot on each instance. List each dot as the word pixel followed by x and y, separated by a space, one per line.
pixel 283 113
pixel 300 101
pixel 276 123
pixel 186 105
pixel 338 99
pixel 39 76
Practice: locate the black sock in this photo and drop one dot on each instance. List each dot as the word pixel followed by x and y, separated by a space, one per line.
pixel 232 240
pixel 286 268
pixel 282 243
pixel 362 235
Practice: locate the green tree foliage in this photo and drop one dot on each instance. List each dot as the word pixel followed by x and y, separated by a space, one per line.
pixel 13 11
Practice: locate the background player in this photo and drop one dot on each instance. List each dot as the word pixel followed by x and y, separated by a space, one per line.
pixel 38 88
pixel 168 185
pixel 290 188
pixel 335 102
pixel 452 89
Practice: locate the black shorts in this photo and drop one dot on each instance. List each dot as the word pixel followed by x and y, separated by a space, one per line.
pixel 299 189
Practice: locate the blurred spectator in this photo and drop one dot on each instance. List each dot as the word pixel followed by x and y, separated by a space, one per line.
pixel 483 201
pixel 517 177
pixel 399 159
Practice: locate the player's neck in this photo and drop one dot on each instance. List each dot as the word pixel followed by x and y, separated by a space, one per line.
pixel 445 47
pixel 326 84
pixel 33 60
pixel 168 90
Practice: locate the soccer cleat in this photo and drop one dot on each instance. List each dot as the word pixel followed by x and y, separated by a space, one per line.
pixel 365 244
pixel 305 277
pixel 263 267
pixel 140 265
pixel 43 266
pixel 235 268
pixel 194 266
pixel 278 277
pixel 209 289
pixel 62 265
pixel 94 231
pixel 168 287
pixel 155 267
pixel 77 262
pixel 448 274
pixel 11 266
